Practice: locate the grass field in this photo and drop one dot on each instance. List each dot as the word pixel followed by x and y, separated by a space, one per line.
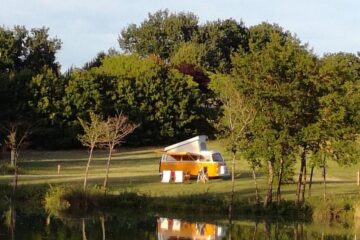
pixel 137 169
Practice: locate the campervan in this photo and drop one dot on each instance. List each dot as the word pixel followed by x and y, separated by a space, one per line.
pixel 192 157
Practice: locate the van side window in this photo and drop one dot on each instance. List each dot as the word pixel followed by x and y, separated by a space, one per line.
pixel 217 157
pixel 169 158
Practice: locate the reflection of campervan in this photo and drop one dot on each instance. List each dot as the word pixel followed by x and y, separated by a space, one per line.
pixel 191 156
pixel 168 229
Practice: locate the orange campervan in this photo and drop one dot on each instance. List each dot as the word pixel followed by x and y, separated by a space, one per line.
pixel 191 157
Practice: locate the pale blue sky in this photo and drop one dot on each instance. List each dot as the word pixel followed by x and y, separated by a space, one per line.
pixel 89 26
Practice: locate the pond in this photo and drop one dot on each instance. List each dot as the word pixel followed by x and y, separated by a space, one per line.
pixel 126 225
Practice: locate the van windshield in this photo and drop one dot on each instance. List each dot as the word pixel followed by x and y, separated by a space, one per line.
pixel 217 157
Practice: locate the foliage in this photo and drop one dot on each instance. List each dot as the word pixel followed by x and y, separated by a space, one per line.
pixel 24 54
pixel 115 130
pixel 159 34
pixel 7 169
pixel 93 131
pixel 275 75
pixel 336 129
pixel 221 39
pixel 73 199
pixel 167 103
pixel 339 207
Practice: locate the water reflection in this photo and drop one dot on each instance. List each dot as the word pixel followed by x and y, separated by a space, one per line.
pixel 169 228
pixel 21 223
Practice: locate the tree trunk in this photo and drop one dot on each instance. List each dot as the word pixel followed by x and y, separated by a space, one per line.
pixel 299 183
pixel 304 182
pixel 324 180
pixel 87 167
pixel 278 192
pixel 107 168
pixel 231 206
pixel 257 199
pixel 12 156
pixel 311 177
pixel 268 198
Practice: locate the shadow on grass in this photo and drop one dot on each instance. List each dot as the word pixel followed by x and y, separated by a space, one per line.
pixel 82 162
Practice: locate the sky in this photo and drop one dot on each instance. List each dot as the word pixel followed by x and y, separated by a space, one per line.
pixel 87 27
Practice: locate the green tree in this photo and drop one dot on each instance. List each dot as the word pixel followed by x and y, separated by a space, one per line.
pixel 159 34
pixel 93 131
pixel 221 39
pixel 25 55
pixel 275 75
pixel 237 116
pixel 168 103
pixel 335 132
pixel 47 91
pixel 115 130
pixel 88 90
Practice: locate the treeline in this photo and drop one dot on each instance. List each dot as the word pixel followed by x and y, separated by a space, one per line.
pixel 160 80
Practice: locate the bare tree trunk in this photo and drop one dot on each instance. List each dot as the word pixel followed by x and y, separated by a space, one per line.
pixel 324 180
pixel 304 182
pixel 268 198
pixel 231 206
pixel 324 174
pixel 257 199
pixel 299 183
pixel 87 167
pixel 311 177
pixel 12 156
pixel 278 192
pixel 107 168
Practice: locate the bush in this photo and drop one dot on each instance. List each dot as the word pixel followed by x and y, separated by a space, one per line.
pixel 66 199
pixel 71 198
pixel 335 207
pixel 7 169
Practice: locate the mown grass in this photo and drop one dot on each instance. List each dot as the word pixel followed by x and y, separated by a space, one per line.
pixel 137 169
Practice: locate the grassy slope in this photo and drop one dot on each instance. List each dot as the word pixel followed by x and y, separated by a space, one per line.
pixel 137 169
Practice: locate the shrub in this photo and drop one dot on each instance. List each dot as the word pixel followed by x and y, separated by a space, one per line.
pixel 335 207
pixel 74 199
pixel 7 169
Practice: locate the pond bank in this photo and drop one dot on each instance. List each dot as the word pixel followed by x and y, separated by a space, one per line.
pixel 68 199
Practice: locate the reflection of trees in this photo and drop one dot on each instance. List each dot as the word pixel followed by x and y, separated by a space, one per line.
pixel 9 221
pixel 132 226
pixel 255 231
pixel 84 229
pixel 267 230
pixel 102 220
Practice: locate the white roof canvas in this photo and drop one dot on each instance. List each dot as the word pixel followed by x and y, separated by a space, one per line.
pixel 192 145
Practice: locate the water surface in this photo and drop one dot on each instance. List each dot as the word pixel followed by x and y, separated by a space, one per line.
pixel 127 225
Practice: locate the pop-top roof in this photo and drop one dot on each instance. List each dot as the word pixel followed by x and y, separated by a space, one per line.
pixel 199 139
